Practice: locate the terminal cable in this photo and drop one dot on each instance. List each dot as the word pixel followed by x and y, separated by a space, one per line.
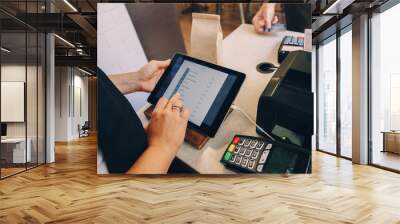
pixel 234 107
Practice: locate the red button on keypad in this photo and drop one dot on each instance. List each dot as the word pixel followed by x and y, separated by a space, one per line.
pixel 236 140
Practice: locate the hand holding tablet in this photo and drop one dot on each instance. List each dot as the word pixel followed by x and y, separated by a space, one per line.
pixel 206 89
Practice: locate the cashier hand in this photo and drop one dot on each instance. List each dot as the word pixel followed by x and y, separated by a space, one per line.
pixel 166 132
pixel 168 123
pixel 265 17
pixel 151 73
pixel 145 79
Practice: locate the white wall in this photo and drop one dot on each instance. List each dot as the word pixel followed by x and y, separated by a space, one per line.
pixel 10 73
pixel 13 73
pixel 61 103
pixel 118 46
pixel 70 81
pixel 12 100
pixel 80 83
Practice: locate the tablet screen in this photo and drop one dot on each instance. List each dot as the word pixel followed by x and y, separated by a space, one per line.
pixel 204 89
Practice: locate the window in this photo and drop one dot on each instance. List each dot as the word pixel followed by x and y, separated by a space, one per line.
pixel 327 97
pixel 14 155
pixel 346 93
pixel 385 89
pixel 335 94
pixel 22 102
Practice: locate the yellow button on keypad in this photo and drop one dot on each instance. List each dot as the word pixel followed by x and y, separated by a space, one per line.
pixel 231 148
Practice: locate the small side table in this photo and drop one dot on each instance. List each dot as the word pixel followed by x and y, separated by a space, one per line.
pixel 391 141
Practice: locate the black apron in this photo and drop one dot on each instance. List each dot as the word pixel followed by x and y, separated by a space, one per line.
pixel 121 136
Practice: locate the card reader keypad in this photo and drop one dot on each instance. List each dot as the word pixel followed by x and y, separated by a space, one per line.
pixel 247 153
pixel 293 41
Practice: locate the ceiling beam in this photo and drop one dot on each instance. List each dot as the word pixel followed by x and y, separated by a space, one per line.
pixel 81 61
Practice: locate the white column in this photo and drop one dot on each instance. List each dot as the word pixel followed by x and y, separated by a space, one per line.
pixel 50 93
pixel 360 90
pixel 50 99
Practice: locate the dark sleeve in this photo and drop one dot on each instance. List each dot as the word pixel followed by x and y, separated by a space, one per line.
pixel 298 16
pixel 121 136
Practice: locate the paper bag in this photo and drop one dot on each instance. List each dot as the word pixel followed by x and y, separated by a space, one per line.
pixel 206 38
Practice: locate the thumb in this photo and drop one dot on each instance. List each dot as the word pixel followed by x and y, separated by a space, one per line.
pixel 163 64
pixel 155 66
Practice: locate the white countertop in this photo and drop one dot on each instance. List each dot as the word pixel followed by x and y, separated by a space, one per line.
pixel 243 50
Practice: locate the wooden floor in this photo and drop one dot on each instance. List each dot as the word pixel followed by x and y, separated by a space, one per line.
pixel 70 191
pixel 11 170
pixel 386 159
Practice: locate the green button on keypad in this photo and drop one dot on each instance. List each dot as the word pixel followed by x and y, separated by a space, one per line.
pixel 227 156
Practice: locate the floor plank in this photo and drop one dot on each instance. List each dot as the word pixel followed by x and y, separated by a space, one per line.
pixel 70 191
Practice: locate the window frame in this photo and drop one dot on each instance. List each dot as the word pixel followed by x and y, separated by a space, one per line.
pixel 27 29
pixel 378 10
pixel 334 37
